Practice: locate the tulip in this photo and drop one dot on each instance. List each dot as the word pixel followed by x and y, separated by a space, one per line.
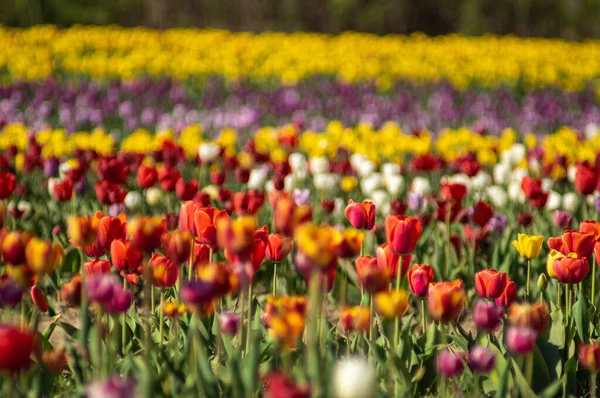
pixel 115 387
pixel 419 278
pixel 95 267
pixel 319 244
pixel 186 191
pixel 61 190
pixel 173 309
pixel 524 219
pixel 392 303
pixel 186 216
pixel 355 319
pixel 586 178
pixel 278 247
pixel 10 292
pixel 147 176
pixel 402 233
pixel 70 292
pixel 520 340
pixel 124 256
pixel 205 224
pixel 534 316
pixel 177 246
pixel 7 184
pixel 486 315
pixel 386 258
pixel 41 256
pixel 589 356
pixel 229 323
pixel 278 385
pixel 450 364
pixel 351 243
pixel 164 271
pixel 446 300
pixel 55 360
pixel 562 219
pixel 482 360
pixel 168 178
pixel 373 278
pixel 82 231
pixel 109 192
pixel 454 192
pixel 145 232
pixel 288 216
pixel 482 213
pixel 13 246
pixel 236 235
pixel 109 229
pixel 528 246
pixel 490 283
pixel 39 298
pixel 154 196
pixel 16 346
pixel 354 377
pixel 573 242
pixel 361 215
pixel 571 270
pixel 590 227
pixel 508 295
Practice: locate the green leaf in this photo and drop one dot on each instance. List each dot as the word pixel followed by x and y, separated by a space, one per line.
pixel 579 313
pixel 503 372
pixel 526 391
pixel 552 390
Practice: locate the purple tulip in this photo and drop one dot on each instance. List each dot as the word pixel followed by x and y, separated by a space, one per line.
pixel 415 201
pixel 486 315
pixel 597 204
pixel 520 341
pixel 115 387
pixel 482 360
pixel 100 288
pixel 196 292
pixel 301 196
pixel 562 219
pixel 119 302
pixel 450 364
pixel 51 168
pixel 10 293
pixel 498 223
pixel 81 187
pixel 229 323
pixel 56 230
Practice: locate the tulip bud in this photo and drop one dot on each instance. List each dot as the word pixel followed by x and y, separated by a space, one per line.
pixel 482 359
pixel 449 364
pixel 520 340
pixel 542 283
pixel 419 278
pixel 229 323
pixel 354 378
pixel 589 356
pixel 133 200
pixel 70 292
pixel 154 196
pixel 39 298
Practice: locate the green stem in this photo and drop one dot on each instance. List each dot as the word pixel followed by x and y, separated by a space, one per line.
pixel 528 275
pixel 161 319
pixel 593 384
pixel 275 279
pixel 423 316
pixel 476 384
pixel 152 300
pixel 249 326
pixel 371 327
pixel 242 308
pixel 124 324
pixel 397 320
pixel 447 252
pixel 529 369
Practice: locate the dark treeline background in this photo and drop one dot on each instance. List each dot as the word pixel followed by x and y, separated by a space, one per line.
pixel 570 19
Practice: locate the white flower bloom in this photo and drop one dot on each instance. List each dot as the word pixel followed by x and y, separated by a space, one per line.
pixel 208 151
pixel 154 195
pixel 394 184
pixel 459 178
pixel 300 175
pixel 258 178
pixel 356 159
pixel 502 173
pixel 389 169
pixel 547 184
pixel 339 207
pixel 570 201
pixel 289 183
pixel 269 186
pixel 420 185
pixel 325 181
pixel 297 161
pixel 370 183
pixel 591 130
pixel 379 198
pixel 354 378
pixel 517 153
pixel 133 200
pixel 481 180
pixel 571 173
pixel 497 195
pixel 554 201
pixel 515 193
pixel 365 168
pixel 318 165
pixel 212 191
pixel 518 174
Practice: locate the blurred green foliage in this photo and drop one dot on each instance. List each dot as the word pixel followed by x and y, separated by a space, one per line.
pixel 571 19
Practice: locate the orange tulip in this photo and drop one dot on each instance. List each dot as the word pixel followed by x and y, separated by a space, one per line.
pixel 124 256
pixel 13 247
pixel 82 231
pixel 109 229
pixel 39 298
pixel 573 242
pixel 236 235
pixel 355 319
pixel 288 216
pixel 386 258
pixel 55 360
pixel 177 246
pixel 186 216
pixel 590 227
pixel 145 232
pixel 278 247
pixel 402 233
pixel 373 278
pixel 361 215
pixel 446 300
pixel 490 283
pixel 95 267
pixel 589 356
pixel 70 292
pixel 534 316
pixel 164 271
pixel 173 309
pixel 287 328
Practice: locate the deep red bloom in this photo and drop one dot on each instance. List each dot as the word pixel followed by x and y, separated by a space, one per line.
pixel 386 258
pixel 454 192
pixel 278 247
pixel 531 187
pixel 402 233
pixel 508 296
pixel 16 346
pixel 425 162
pixel 573 242
pixel 277 385
pixel 146 176
pixel 62 190
pixel 571 270
pixel 125 257
pixel 109 192
pixel 164 271
pixel 186 191
pixel 482 213
pixel 109 229
pixel 168 179
pixel 112 169
pixel 586 178
pixel 7 184
pixel 177 246
pixel 361 215
pixel 419 278
pixel 39 298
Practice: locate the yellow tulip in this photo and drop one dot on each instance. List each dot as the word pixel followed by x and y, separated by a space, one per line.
pixel 528 246
pixel 392 303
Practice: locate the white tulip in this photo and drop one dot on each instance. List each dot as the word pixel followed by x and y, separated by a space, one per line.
pixel 258 178
pixel 365 168
pixel 154 195
pixel 497 195
pixel 570 201
pixel 389 169
pixel 420 185
pixel 554 201
pixel 354 378
pixel 325 181
pixel 340 206
pixel 517 153
pixel 289 183
pixel 133 200
pixel 459 178
pixel 518 174
pixel 571 173
pixel 356 159
pixel 515 193
pixel 591 130
pixel 481 180
pixel 370 183
pixel 297 161
pixel 300 175
pixel 547 184
pixel 502 173
pixel 269 186
pixel 394 184
pixel 318 165
pixel 208 151
pixel 379 198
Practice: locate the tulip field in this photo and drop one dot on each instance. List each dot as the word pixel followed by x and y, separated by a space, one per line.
pixel 202 213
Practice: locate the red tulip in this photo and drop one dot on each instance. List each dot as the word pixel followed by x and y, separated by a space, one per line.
pixel 164 271
pixel 454 192
pixel 446 300
pixel 145 232
pixel 278 247
pixel 112 169
pixel 482 213
pixel 39 298
pixel 62 190
pixel 571 270
pixel 490 283
pixel 177 246
pixel 573 242
pixel 586 178
pixel 109 229
pixel 95 267
pixel 168 179
pixel 125 257
pixel 371 277
pixel 201 255
pixel 402 233
pixel 386 258
pixel 508 296
pixel 7 184
pixel 146 176
pixel 361 215
pixel 205 221
pixel 590 227
pixel 109 192
pixel 589 356
pixel 186 191
pixel 16 347
pixel 12 247
pixel 419 278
